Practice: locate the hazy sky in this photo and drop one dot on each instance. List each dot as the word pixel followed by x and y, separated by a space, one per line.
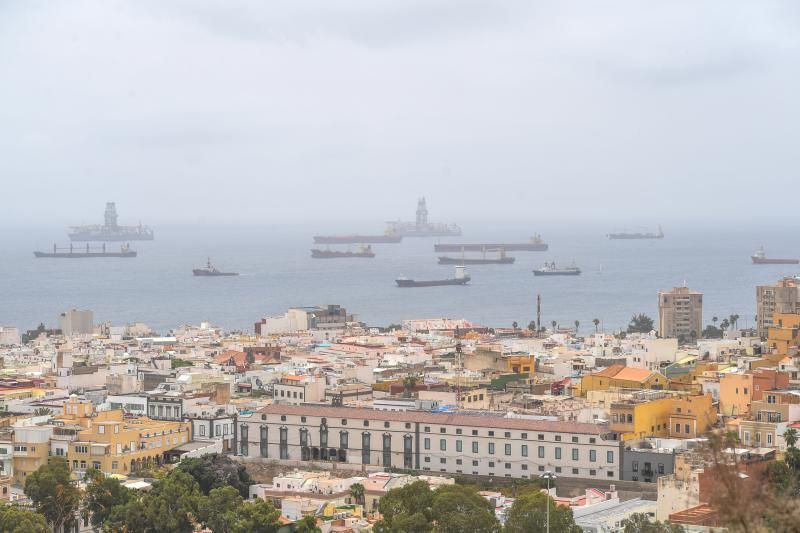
pixel 257 110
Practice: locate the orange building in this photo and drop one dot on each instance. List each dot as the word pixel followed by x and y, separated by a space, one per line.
pixel 783 335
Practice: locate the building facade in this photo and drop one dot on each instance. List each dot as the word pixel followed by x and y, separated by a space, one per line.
pixel 449 443
pixel 781 297
pixel 76 322
pixel 680 313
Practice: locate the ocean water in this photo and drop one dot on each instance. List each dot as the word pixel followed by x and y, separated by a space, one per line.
pixel 620 278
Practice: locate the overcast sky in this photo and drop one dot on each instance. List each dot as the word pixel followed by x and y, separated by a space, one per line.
pixel 257 110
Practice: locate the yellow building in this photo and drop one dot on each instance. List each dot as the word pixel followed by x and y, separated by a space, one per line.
pixel 783 334
pixel 692 416
pixel 622 377
pixel 645 414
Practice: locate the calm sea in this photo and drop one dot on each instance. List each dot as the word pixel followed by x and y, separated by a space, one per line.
pixel 619 278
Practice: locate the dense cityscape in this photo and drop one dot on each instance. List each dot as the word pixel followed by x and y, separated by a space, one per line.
pixel 314 421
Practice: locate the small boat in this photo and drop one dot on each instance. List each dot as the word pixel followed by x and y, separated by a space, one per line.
pixel 210 271
pixel 364 251
pixel 760 258
pixel 550 269
pixel 502 259
pixel 81 252
pixel 461 278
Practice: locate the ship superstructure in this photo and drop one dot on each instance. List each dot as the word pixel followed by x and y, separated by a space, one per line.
pixel 421 227
pixel 110 230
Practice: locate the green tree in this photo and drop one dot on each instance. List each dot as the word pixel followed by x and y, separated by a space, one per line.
pixel 219 511
pixel 528 514
pixel 515 325
pixel 257 516
pixel 42 411
pixel 458 508
pixel 409 382
pixel 171 506
pixel 178 363
pixel 308 524
pixel 53 494
pixel 102 495
pixel 724 324
pixel 596 322
pixel 712 332
pixel 577 326
pixel 357 493
pixel 406 510
pixel 641 523
pixel 554 324
pixel 640 323
pixel 214 470
pixel 16 520
pixel 532 326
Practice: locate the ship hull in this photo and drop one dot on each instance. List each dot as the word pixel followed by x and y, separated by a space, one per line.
pixel 765 261
pixel 557 273
pixel 326 254
pixel 357 239
pixel 82 255
pixel 205 274
pixel 428 233
pixel 444 260
pixel 110 236
pixel 410 283
pixel 487 247
pixel 633 236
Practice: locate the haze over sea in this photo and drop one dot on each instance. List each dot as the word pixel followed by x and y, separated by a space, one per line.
pixel 619 278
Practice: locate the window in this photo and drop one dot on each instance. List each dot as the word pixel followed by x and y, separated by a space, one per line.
pixel 407 451
pixel 592 440
pixel 344 421
pixel 303 437
pixel 686 428
pixel 114 465
pixel 677 428
pixel 80 449
pixel 524 436
pixel 574 439
pixel 443 444
pixel 593 456
pixel 610 457
pixel 408 425
pixel 592 472
pixel 541 452
pixel 474 446
pixel 508 449
pixel 575 471
pixel 283 418
pixel 442 430
pixel 302 419
pixel 243 444
pixel 386 424
pixel 426 443
pixel 263 443
pixel 387 449
pixel 458 446
pixel 427 429
pixel 558 453
pixel 101 429
pixel 83 465
pixel 610 473
pixel 491 448
pixel 474 431
pixel 203 431
pixel 365 451
pixel 474 463
pixel 574 454
pixel 284 442
pixel 491 464
pixel 540 436
pixel 491 433
pixel 660 468
pixel 558 438
pixel 366 423
pixel 769 438
pixel 508 466
pixel 508 434
pixel 558 470
pixel 635 466
pixel 524 450
pixel 343 440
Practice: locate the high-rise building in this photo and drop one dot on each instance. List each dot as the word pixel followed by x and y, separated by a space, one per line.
pixel 680 313
pixel 781 297
pixel 77 322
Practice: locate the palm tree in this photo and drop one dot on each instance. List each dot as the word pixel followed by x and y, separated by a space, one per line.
pixel 790 436
pixel 596 322
pixel 577 325
pixel 515 325
pixel 409 382
pixel 714 320
pixel 42 411
pixel 724 324
pixel 357 493
pixel 554 324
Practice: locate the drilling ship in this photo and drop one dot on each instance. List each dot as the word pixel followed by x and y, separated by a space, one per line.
pixel 110 230
pixel 421 227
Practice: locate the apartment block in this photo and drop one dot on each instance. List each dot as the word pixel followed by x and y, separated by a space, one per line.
pixel 450 443
pixel 680 313
pixel 780 297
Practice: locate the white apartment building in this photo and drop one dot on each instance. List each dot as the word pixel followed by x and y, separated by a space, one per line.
pixel 438 442
pixel 9 336
pixel 298 389
pixel 76 322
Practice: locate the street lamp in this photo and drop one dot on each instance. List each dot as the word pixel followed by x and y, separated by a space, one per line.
pixel 549 476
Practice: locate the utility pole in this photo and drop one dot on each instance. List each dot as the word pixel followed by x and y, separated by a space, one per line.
pixel 538 313
pixel 549 476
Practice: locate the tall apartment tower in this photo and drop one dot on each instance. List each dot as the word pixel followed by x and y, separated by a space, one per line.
pixel 781 297
pixel 76 322
pixel 680 313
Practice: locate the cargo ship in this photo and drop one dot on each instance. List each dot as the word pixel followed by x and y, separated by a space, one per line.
pixel 502 259
pixel 631 236
pixel 210 271
pixel 110 230
pixel 364 251
pixel 550 269
pixel 72 252
pixel 461 278
pixel 534 244
pixel 760 258
pixel 387 238
pixel 421 227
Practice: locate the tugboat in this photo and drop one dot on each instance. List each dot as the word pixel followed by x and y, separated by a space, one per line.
pixel 87 252
pixel 364 251
pixel 760 258
pixel 210 270
pixel 501 260
pixel 550 269
pixel 461 278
